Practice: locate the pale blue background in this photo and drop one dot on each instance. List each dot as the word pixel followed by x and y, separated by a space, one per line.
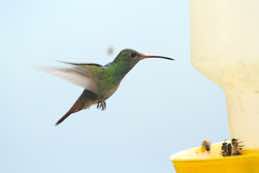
pixel 160 108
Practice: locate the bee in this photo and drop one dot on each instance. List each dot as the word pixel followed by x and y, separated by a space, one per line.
pixel 110 50
pixel 232 148
pixel 236 147
pixel 205 146
pixel 225 149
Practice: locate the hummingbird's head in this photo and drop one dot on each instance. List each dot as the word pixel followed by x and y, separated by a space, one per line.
pixel 127 59
pixel 131 55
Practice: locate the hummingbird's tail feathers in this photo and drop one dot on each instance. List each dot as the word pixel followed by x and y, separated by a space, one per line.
pixel 86 99
pixel 74 76
pixel 75 108
pixel 64 117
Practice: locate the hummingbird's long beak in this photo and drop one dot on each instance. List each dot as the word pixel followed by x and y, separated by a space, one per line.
pixel 144 56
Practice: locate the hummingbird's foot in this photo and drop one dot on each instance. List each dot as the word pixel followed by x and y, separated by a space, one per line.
pixel 101 105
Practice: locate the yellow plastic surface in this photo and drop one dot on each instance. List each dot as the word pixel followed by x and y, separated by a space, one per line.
pixel 196 161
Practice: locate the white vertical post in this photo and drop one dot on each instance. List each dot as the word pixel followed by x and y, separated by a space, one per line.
pixel 225 47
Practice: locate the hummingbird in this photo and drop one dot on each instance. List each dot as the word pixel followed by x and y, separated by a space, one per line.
pixel 99 81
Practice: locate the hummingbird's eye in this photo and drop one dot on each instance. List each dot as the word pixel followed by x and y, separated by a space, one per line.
pixel 133 55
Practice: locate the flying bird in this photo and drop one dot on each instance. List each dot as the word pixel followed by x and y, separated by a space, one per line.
pixel 99 82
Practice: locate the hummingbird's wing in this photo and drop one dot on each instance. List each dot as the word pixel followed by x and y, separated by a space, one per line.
pixel 86 99
pixel 81 64
pixel 83 75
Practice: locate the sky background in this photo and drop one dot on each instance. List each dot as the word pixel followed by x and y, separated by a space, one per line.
pixel 161 107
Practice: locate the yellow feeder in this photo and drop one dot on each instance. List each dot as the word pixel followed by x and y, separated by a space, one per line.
pixel 225 47
pixel 196 161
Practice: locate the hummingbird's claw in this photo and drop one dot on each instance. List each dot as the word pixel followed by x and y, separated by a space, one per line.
pixel 101 105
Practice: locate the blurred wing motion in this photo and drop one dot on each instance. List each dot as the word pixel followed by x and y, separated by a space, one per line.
pixel 86 99
pixel 83 75
pixel 79 74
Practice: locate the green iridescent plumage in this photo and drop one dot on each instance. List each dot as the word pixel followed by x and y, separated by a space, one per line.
pixel 99 82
